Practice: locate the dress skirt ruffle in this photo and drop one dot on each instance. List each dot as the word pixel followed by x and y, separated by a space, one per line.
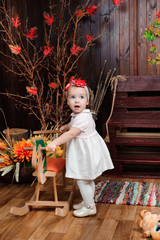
pixel 87 158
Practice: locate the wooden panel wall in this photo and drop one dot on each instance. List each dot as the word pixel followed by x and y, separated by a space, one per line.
pixel 122 45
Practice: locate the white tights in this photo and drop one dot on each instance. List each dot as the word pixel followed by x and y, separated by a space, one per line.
pixel 87 189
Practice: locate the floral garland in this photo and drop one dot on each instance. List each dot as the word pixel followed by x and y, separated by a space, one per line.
pixel 151 33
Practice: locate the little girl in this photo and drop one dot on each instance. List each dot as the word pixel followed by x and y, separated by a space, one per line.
pixel 87 155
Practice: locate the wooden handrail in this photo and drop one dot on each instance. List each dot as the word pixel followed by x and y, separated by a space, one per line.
pixel 30 149
pixel 46 131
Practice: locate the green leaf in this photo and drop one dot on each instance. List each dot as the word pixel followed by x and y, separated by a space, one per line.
pixel 155 24
pixel 153 49
pixel 150 60
pixel 149 35
pixel 145 34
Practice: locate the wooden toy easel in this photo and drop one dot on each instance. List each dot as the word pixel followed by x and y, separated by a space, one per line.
pixel 41 165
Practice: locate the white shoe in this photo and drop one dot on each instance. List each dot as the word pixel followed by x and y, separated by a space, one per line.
pixel 78 206
pixel 85 211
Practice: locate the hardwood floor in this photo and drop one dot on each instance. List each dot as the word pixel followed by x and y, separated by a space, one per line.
pixel 112 222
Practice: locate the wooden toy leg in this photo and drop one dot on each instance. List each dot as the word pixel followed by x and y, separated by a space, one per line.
pixel 55 190
pixel 37 191
pixel 62 212
pixel 19 211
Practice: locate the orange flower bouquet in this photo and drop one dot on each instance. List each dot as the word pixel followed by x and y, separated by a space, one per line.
pixel 14 157
pixel 16 160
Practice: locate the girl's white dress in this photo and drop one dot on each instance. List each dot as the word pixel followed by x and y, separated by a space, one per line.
pixel 87 155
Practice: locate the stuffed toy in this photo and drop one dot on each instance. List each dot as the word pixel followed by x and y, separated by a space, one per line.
pixel 155 232
pixel 150 224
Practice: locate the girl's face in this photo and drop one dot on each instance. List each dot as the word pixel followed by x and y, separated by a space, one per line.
pixel 77 99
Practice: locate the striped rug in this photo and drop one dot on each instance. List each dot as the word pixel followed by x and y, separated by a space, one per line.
pixel 128 193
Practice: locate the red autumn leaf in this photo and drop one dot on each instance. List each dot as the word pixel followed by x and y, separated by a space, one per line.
pixel 117 2
pixel 48 18
pixel 15 21
pixel 32 33
pixel 80 13
pixel 32 90
pixel 47 50
pixel 53 85
pixel 75 49
pixel 91 10
pixel 15 49
pixel 158 14
pixel 89 38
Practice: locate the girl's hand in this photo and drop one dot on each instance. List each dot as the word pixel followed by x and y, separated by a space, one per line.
pixel 62 129
pixel 51 147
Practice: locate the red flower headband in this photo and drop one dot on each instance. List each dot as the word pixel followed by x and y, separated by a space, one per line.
pixel 75 82
pixel 78 83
